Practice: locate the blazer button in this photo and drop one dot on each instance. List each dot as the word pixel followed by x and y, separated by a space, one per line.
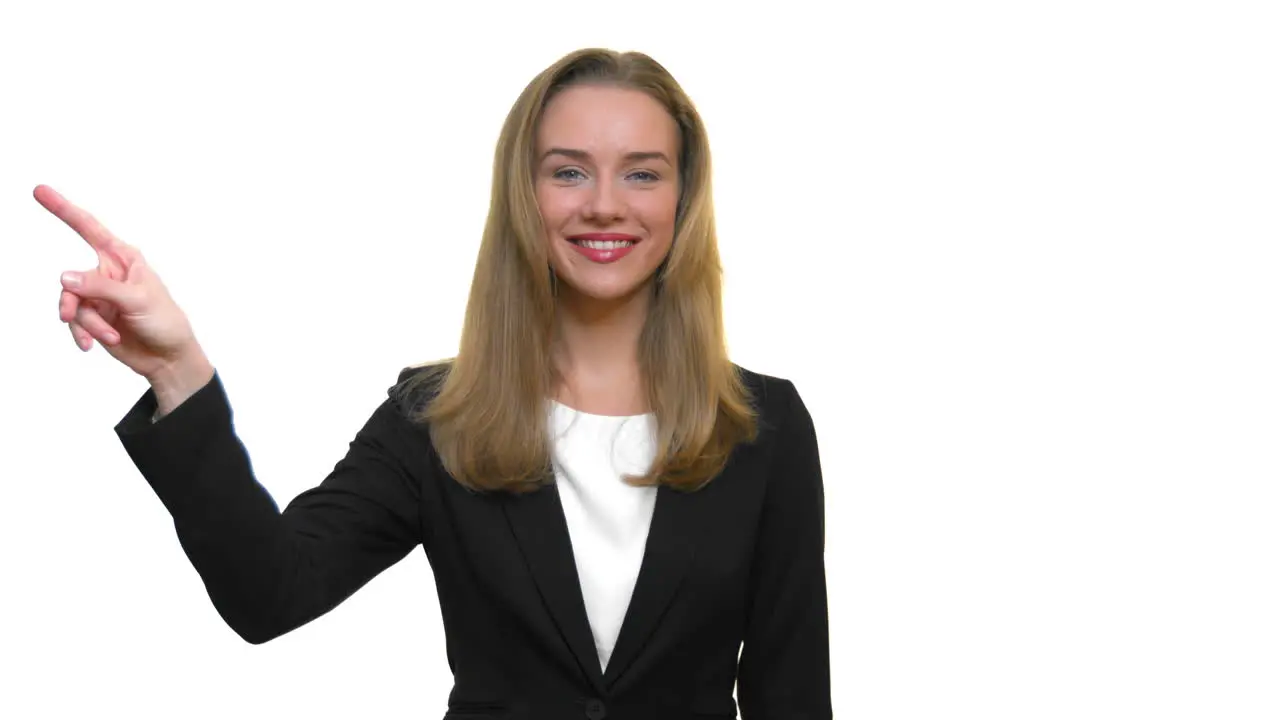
pixel 595 710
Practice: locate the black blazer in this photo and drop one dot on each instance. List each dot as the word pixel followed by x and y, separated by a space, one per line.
pixel 738 564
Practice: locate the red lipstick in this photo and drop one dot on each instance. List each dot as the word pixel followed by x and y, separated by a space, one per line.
pixel 603 247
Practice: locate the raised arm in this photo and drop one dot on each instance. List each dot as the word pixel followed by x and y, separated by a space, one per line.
pixel 266 571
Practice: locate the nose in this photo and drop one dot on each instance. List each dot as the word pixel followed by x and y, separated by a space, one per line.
pixel 605 203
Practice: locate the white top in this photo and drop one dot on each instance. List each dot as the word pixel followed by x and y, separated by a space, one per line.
pixel 608 519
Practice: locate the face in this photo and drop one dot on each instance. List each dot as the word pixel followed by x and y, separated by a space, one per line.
pixel 607 185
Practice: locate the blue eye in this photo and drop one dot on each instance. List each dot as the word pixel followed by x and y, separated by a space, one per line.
pixel 574 175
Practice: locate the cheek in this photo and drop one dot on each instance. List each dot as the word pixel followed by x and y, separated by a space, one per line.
pixel 553 208
pixel 659 212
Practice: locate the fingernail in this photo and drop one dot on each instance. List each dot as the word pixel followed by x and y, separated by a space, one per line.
pixel 71 279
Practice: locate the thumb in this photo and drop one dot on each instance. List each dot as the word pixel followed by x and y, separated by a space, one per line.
pixel 94 286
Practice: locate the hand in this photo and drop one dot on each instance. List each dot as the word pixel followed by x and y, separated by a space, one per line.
pixel 122 303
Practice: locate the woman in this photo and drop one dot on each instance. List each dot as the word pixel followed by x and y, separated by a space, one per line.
pixel 611 507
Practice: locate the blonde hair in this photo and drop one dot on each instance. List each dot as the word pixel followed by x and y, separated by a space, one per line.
pixel 487 419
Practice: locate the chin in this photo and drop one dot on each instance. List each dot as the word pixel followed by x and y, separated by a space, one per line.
pixel 610 282
pixel 604 289
pixel 611 294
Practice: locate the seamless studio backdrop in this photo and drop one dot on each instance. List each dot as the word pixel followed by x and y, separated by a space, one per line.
pixel 1019 259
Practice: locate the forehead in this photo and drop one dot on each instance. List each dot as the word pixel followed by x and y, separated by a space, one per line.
pixel 604 119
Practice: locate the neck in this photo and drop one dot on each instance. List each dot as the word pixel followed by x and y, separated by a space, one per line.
pixel 596 348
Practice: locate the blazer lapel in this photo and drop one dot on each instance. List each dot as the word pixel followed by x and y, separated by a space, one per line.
pixel 537 519
pixel 668 553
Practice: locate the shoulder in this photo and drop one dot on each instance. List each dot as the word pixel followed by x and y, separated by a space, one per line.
pixel 794 485
pixel 416 385
pixel 776 399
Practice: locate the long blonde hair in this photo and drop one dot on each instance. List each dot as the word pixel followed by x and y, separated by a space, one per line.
pixel 487 417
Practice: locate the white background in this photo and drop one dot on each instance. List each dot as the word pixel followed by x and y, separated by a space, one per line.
pixel 1020 259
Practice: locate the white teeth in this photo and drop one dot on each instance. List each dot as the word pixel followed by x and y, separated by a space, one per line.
pixel 604 244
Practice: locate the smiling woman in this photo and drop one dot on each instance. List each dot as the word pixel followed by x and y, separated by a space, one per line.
pixel 621 521
pixel 600 194
pixel 600 259
pixel 601 198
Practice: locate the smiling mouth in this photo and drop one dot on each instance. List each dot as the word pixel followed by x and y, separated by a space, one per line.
pixel 603 241
pixel 602 244
pixel 603 248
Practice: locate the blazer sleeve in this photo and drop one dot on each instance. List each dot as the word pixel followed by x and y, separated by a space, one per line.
pixel 784 670
pixel 266 571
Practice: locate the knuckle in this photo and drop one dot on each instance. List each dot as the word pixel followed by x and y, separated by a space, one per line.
pixel 86 316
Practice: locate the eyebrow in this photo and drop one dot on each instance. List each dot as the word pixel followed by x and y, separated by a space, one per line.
pixel 583 155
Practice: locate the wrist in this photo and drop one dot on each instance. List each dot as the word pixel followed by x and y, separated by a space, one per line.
pixel 179 379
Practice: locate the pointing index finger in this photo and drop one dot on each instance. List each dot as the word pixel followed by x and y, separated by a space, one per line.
pixel 98 236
